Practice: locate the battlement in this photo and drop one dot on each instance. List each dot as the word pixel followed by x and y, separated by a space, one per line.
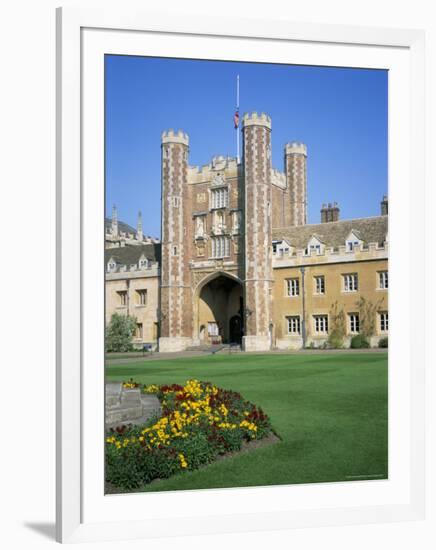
pixel 278 178
pixel 199 174
pixel 254 119
pixel 341 254
pixel 296 147
pixel 175 137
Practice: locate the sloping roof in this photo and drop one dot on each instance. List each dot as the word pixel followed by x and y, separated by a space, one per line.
pixel 122 227
pixel 127 255
pixel 334 234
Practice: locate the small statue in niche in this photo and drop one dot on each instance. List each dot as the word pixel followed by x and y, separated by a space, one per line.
pixel 199 232
pixel 236 221
pixel 219 220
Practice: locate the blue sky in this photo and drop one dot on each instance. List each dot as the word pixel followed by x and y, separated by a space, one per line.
pixel 341 114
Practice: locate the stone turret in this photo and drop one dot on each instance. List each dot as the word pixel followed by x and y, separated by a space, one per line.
pixel 176 302
pixel 258 254
pixel 296 179
pixel 139 232
pixel 114 227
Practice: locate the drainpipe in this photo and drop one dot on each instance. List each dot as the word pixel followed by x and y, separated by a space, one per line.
pixel 303 323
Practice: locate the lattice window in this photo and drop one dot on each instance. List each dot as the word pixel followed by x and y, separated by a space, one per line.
pixel 220 247
pixel 294 324
pixel 351 283
pixel 319 281
pixel 383 280
pixel 353 321
pixel 220 197
pixel 293 287
pixel 320 324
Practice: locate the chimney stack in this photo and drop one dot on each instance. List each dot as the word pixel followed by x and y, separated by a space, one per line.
pixel 384 206
pixel 330 212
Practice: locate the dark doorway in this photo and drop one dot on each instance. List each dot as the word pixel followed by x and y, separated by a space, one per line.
pixel 235 330
pixel 220 303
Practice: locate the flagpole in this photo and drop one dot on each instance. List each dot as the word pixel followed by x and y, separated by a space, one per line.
pixel 237 110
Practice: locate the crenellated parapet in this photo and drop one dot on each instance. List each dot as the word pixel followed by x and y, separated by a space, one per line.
pixel 207 172
pixel 254 119
pixel 329 255
pixel 296 148
pixel 278 178
pixel 171 136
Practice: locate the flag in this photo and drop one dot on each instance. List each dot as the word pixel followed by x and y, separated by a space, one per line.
pixel 236 119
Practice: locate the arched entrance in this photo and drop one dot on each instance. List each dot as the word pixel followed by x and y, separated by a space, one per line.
pixel 219 310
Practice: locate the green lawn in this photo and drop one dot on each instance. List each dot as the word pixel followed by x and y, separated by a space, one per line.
pixel 330 411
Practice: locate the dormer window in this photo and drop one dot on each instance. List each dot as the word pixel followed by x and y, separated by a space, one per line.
pixel 352 241
pixel 143 262
pixel 281 248
pixel 111 265
pixel 314 246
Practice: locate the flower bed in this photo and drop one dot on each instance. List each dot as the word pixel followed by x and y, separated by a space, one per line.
pixel 199 422
pixel 130 384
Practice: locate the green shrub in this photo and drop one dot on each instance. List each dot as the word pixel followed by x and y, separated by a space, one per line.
pixel 119 333
pixel 337 329
pixel 358 342
pixel 383 342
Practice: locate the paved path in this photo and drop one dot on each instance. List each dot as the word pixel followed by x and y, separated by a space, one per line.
pixel 187 354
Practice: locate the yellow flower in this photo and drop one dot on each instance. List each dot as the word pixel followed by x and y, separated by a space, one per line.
pixel 182 460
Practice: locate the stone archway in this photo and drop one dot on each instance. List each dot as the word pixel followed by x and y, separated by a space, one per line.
pixel 217 300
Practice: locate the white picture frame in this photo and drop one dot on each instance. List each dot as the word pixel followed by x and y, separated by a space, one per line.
pixel 83 36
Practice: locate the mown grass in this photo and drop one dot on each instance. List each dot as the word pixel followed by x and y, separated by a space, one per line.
pixel 330 411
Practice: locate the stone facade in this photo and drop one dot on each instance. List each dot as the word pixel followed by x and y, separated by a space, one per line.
pixel 132 288
pixel 233 236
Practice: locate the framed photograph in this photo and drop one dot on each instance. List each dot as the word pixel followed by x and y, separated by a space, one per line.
pixel 237 200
